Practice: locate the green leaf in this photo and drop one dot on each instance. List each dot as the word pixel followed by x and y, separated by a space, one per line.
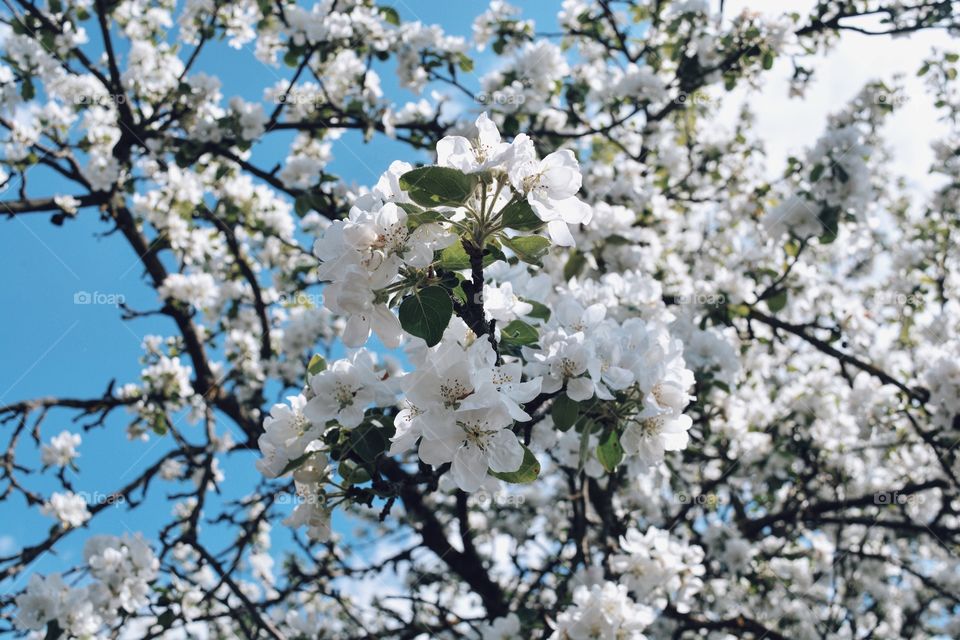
pixel 367 441
pixel 292 57
pixel 817 172
pixel 767 60
pixel 427 313
pixel 528 471
pixel 518 332
pixel 585 444
pixel 777 302
pixel 539 311
pixel 431 186
pixel 409 207
pixel 390 15
pixel 414 220
pixel 609 452
pixel 529 248
pixel 455 258
pixel 575 264
pixel 520 216
pixel 307 202
pixel 830 219
pixel 740 310
pixel 317 364
pixel 352 473
pixel 564 412
pixel 27 90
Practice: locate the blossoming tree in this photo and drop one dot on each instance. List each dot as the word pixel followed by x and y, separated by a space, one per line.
pixel 576 366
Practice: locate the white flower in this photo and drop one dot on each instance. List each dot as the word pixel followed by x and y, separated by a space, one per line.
pixel 472 155
pixel 197 289
pixel 69 508
pixel 124 568
pixel 563 359
pixel 511 392
pixel 656 565
pixel 649 437
pixel 550 186
pixel 354 297
pixel 62 449
pixel 479 440
pixel 287 432
pixel 602 611
pixel 500 303
pixel 506 628
pixel 40 602
pixel 68 204
pixel 343 391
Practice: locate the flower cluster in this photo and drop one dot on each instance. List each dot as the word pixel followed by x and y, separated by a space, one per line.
pixel 494 343
pixel 122 570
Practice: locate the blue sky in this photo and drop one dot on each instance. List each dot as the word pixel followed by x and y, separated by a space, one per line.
pixel 49 345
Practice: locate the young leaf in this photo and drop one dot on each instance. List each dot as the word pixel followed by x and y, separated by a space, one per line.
pixel 521 216
pixel 431 186
pixel 518 332
pixel 414 220
pixel 427 313
pixel 564 412
pixel 455 258
pixel 317 364
pixel 587 428
pixel 609 452
pixel 777 302
pixel 367 441
pixel 540 311
pixel 529 248
pixel 528 471
pixel 575 264
pixel 352 473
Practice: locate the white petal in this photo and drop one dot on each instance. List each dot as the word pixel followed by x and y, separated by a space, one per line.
pixel 560 233
pixel 387 327
pixel 357 331
pixel 469 468
pixel 436 452
pixel 505 451
pixel 580 389
pixel 572 210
